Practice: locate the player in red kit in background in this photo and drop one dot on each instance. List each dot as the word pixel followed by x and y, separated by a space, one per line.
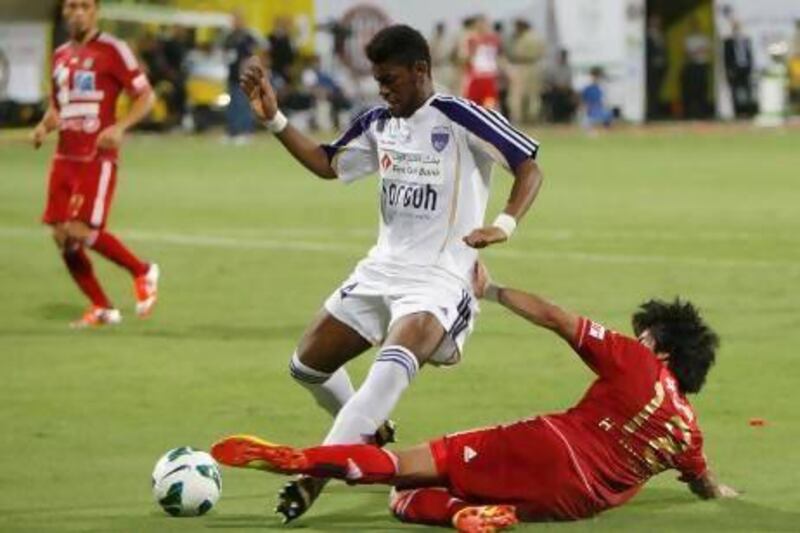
pixel 89 73
pixel 634 422
pixel 482 64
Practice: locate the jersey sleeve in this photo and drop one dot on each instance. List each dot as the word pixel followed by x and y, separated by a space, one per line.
pixel 125 68
pixel 692 463
pixel 489 133
pixel 605 351
pixel 354 154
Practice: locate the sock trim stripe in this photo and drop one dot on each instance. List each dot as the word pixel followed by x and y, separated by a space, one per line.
pixel 403 352
pixel 300 375
pixel 398 360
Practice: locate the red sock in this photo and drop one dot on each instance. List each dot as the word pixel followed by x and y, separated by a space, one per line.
pixel 434 506
pixel 355 463
pixel 112 249
pixel 80 267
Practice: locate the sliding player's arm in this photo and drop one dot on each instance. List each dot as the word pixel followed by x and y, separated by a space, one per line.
pixel 264 103
pixel 527 305
pixel 707 487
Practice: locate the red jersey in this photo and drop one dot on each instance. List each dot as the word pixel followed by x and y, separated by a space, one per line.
pixel 483 51
pixel 633 422
pixel 86 81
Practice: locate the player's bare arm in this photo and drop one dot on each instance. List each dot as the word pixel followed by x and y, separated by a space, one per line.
pixel 527 182
pixel 707 487
pixel 264 103
pixel 111 137
pixel 529 306
pixel 48 123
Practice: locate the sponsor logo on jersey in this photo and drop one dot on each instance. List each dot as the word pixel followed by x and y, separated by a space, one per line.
pixel 83 81
pixel 440 136
pixel 423 197
pixel 414 167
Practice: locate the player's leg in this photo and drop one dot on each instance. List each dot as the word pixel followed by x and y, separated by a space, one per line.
pixel 62 200
pixel 411 341
pixel 97 187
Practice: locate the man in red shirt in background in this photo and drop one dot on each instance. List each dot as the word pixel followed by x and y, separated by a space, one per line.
pixel 633 423
pixel 89 73
pixel 482 55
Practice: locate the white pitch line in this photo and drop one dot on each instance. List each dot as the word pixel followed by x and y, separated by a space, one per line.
pixel 346 248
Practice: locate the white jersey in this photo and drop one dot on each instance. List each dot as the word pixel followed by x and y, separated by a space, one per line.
pixel 435 168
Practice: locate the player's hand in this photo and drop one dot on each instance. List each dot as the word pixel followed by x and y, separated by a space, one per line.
pixel 480 279
pixel 38 134
pixel 483 237
pixel 258 89
pixel 725 491
pixel 110 138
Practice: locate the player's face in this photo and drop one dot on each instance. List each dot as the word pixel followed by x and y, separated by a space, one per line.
pixel 400 86
pixel 80 17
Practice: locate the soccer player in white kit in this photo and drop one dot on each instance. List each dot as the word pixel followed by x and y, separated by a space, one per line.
pixel 412 294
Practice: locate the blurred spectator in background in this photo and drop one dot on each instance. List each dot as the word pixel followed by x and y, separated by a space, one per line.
pixel 696 73
pixel 559 97
pixel 482 66
pixel 593 100
pixel 502 70
pixel 206 66
pixel 239 45
pixel 175 46
pixel 442 49
pixel 794 69
pixel 281 47
pixel 738 53
pixel 656 65
pixel 461 53
pixel 524 55
pixel 329 101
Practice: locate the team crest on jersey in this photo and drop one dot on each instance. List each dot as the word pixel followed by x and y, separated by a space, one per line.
pixel 83 81
pixel 440 136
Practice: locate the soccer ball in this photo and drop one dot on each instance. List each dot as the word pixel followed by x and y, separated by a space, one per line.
pixel 186 482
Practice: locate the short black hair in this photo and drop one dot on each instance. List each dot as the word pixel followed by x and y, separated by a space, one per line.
pixel 678 330
pixel 399 44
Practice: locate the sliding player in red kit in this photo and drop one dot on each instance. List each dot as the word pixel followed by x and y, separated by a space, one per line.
pixel 633 423
pixel 89 73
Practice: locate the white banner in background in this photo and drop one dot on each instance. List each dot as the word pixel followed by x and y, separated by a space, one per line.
pixel 23 54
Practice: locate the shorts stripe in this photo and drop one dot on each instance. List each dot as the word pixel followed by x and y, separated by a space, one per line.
pixel 99 208
pixel 464 314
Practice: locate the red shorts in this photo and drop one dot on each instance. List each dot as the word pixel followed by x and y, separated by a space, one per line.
pixel 482 91
pixel 80 190
pixel 526 464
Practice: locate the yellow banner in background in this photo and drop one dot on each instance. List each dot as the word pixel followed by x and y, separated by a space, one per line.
pixel 261 15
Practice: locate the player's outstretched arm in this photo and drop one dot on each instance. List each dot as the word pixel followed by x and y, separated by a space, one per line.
pixel 527 305
pixel 264 103
pixel 527 182
pixel 707 487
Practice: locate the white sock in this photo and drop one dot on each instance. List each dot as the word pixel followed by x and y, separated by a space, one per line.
pixel 331 391
pixel 392 371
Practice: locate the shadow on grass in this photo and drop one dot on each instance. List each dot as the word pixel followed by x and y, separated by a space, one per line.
pixel 59 312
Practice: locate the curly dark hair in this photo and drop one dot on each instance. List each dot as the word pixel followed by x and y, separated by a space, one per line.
pixel 678 330
pixel 399 44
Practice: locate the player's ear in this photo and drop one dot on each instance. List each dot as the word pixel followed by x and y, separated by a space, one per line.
pixel 421 68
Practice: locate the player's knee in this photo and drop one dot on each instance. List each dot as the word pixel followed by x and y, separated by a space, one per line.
pixel 77 231
pixel 398 502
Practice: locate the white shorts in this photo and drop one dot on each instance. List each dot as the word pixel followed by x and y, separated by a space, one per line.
pixel 370 301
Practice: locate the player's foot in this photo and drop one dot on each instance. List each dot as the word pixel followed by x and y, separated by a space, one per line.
pixel 145 287
pixel 297 496
pixel 485 518
pixel 98 316
pixel 246 451
pixel 385 434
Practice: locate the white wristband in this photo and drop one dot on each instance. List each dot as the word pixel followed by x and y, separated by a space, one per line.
pixel 505 222
pixel 278 122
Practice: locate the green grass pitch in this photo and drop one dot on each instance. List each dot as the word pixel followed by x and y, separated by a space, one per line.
pixel 250 245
